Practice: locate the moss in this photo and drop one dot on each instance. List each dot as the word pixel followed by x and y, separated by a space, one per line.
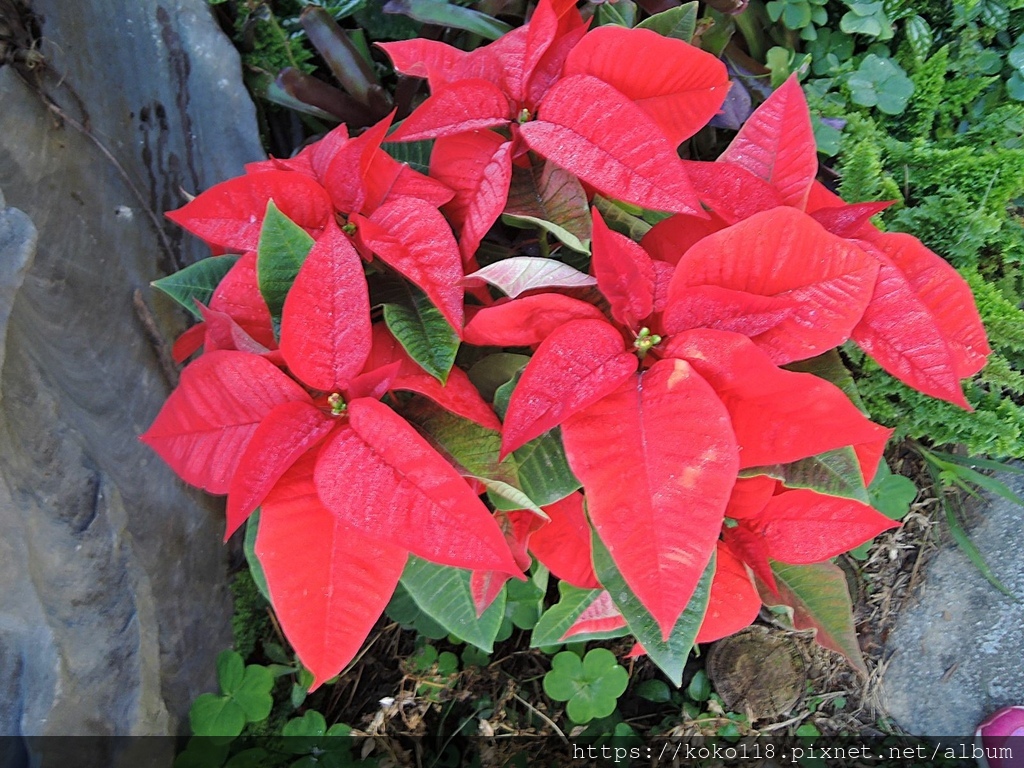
pixel 250 622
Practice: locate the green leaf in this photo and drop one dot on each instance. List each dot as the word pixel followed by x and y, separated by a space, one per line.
pixel 253 695
pixel 525 600
pixel 679 22
pixel 591 686
pixel 562 235
pixel 473 449
pixel 670 657
pixel 249 549
pixel 445 14
pixel 443 593
pixel 557 619
pixel 622 13
pixel 415 154
pixel 1015 86
pixel 424 333
pixel 542 469
pixel 820 599
pixel 699 688
pixel 403 609
pixel 619 220
pixel 834 473
pixel 230 671
pixel 282 248
pixel 654 690
pixel 544 195
pixel 494 370
pixel 196 282
pixel 312 723
pixel 919 36
pixel 509 498
pixel 891 494
pixel 213 715
pixel 880 82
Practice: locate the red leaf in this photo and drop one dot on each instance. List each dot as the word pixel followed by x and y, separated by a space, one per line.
pixel 590 129
pixel 902 332
pixel 779 416
pixel 222 332
pixel 668 240
pixel 625 274
pixel 749 496
pixel 662 278
pixel 942 290
pixel 466 105
pixel 374 383
pixel 517 526
pixel 346 174
pixel 287 432
pixel 188 343
pixel 801 526
pixel 733 603
pixel 325 322
pixel 680 86
pixel 206 423
pixel 478 166
pixel 429 59
pixel 600 616
pixel 848 220
pixel 328 582
pixel 539 77
pixel 575 366
pixel 869 454
pixel 722 309
pixel 563 545
pixel 238 295
pixel 526 321
pixel 457 395
pixel 783 253
pixel 231 213
pixel 730 191
pixel 410 183
pixel 777 144
pixel 750 547
pixel 657 459
pixel 413 237
pixel 379 475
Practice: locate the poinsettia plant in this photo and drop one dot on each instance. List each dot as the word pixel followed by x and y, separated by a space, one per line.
pixel 656 415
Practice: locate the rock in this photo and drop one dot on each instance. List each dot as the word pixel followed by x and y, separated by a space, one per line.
pixel 115 601
pixel 957 649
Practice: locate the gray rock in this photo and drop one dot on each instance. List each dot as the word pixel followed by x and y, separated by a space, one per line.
pixel 958 648
pixel 115 601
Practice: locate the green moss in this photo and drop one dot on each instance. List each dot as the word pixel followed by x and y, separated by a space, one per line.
pixel 250 622
pixel 929 81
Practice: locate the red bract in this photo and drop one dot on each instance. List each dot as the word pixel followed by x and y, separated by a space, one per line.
pixel 391 209
pixel 608 106
pixel 658 450
pixel 919 321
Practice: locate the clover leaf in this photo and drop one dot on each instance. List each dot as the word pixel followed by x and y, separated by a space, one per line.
pixel 245 698
pixel 590 687
pixel 882 83
pixel 321 746
pixel 867 19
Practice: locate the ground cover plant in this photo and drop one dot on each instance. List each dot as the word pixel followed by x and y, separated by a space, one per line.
pixel 562 351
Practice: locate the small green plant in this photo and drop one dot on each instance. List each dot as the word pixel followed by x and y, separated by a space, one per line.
pixel 880 82
pixel 591 686
pixel 245 698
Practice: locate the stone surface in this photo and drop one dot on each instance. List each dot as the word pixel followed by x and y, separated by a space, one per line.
pixel 958 648
pixel 114 602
